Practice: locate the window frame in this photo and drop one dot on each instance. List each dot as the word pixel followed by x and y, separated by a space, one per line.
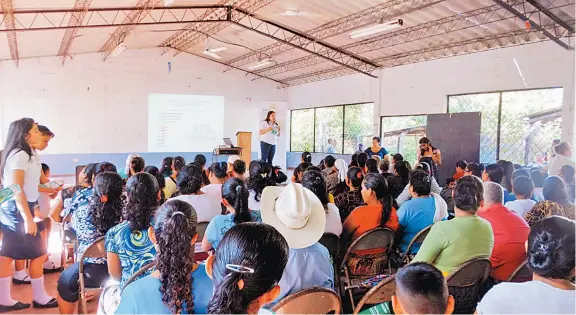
pixel 314 124
pixel 500 92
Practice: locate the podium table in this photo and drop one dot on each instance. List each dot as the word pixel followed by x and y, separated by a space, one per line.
pixel 244 140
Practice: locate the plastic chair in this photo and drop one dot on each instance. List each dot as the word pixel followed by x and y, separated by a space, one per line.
pixel 95 250
pixel 378 238
pixel 379 294
pixel 465 284
pixel 201 229
pixel 521 274
pixel 417 239
pixel 139 273
pixel 315 300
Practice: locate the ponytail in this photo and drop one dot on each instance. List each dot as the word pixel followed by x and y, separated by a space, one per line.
pixel 377 183
pixel 175 227
pixel 234 190
pixel 228 298
pixel 255 253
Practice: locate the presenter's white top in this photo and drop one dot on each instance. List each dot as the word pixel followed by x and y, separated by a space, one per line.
pixel 270 136
pixel 556 164
pixel 32 170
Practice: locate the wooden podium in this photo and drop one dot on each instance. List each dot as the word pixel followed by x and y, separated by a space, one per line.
pixel 244 140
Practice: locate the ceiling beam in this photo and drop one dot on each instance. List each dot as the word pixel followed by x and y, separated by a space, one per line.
pixel 508 39
pixel 120 34
pixel 303 42
pixel 193 34
pixel 533 24
pixel 61 19
pixel 76 19
pixel 9 22
pixel 453 23
pixel 386 11
pixel 552 16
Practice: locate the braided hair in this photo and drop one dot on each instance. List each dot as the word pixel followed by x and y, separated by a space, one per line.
pixel 259 178
pixel 174 229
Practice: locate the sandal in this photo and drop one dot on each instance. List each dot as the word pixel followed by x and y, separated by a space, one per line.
pixel 16 307
pixel 26 280
pixel 51 304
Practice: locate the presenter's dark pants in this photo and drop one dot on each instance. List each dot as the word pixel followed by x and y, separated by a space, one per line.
pixel 268 150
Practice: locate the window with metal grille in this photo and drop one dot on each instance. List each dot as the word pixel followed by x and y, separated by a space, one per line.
pixel 400 134
pixel 517 126
pixel 332 129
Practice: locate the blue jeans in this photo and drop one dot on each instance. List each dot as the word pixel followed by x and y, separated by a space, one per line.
pixel 268 150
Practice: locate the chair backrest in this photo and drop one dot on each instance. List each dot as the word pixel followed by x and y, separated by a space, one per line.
pixel 376 238
pixel 201 229
pixel 470 273
pixel 379 294
pixel 95 250
pixel 315 300
pixel 418 238
pixel 138 273
pixel 332 243
pixel 521 274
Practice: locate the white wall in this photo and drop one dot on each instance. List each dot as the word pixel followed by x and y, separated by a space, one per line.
pixel 101 107
pixel 422 88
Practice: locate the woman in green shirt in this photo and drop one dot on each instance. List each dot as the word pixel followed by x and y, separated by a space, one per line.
pixel 467 236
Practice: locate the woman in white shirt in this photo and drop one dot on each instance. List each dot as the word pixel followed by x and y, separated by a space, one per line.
pixel 189 183
pixel 259 178
pixel 314 181
pixel 269 132
pixel 21 235
pixel 562 157
pixel 217 177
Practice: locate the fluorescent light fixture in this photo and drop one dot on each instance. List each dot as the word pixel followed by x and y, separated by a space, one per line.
pixel 212 54
pixel 118 50
pixel 217 49
pixel 378 28
pixel 291 12
pixel 261 64
pixel 168 3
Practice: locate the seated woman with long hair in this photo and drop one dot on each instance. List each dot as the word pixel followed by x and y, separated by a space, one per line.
pixel 314 181
pixel 154 171
pixel 91 222
pixel 171 185
pixel 259 178
pixel 452 243
pixel 189 184
pixel 128 245
pixel 235 199
pixel 178 285
pixel 246 269
pixel 378 211
pixel 551 255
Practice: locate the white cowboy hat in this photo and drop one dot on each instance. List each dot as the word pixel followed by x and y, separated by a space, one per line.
pixel 295 212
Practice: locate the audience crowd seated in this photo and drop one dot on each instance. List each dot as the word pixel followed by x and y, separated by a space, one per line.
pixel 550 252
pixel 264 236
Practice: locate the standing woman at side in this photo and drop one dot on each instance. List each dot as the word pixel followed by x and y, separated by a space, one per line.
pixel 21 236
pixel 269 132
